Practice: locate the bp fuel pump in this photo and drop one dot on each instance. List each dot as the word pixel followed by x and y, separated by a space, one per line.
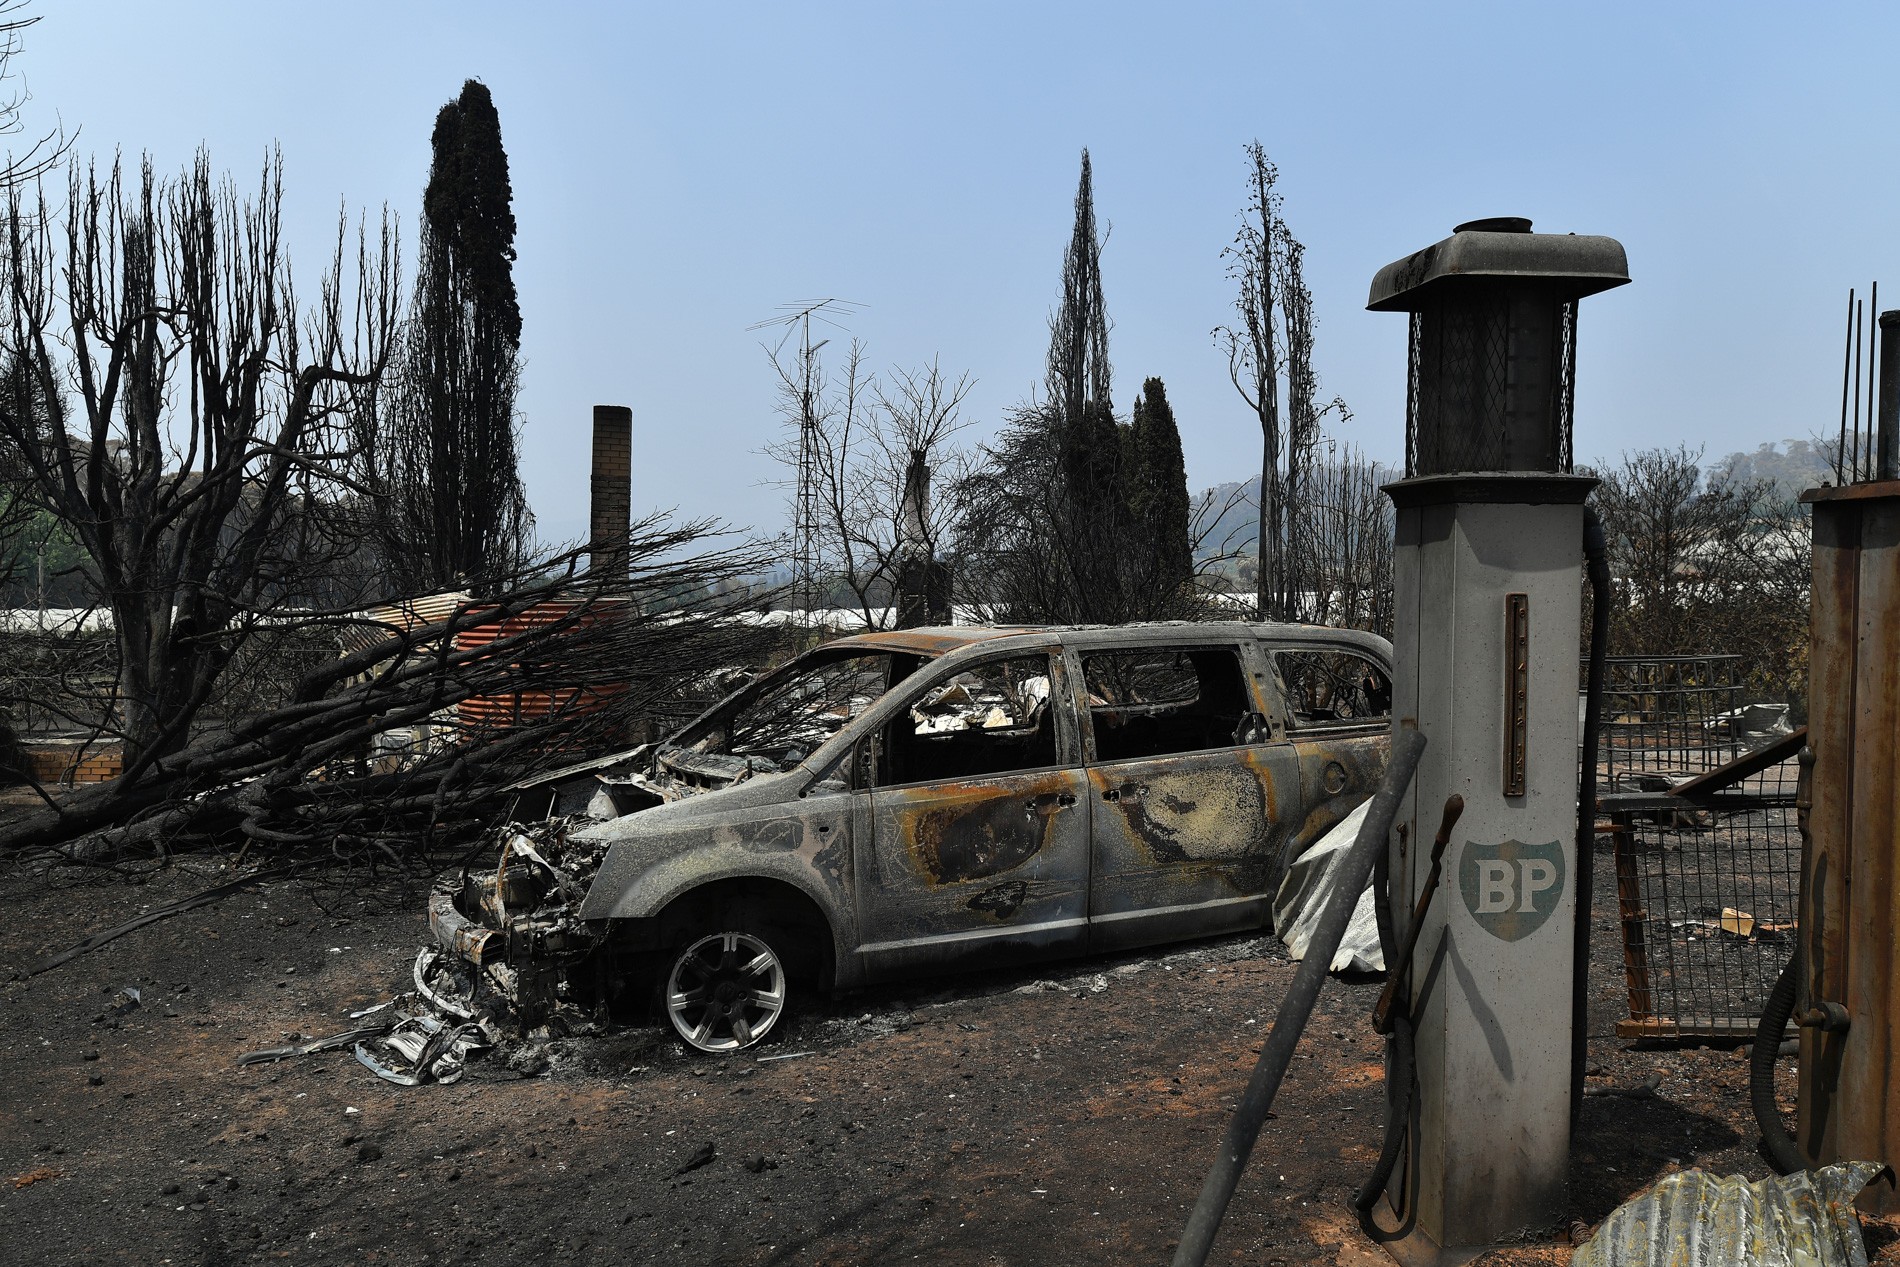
pixel 1487 577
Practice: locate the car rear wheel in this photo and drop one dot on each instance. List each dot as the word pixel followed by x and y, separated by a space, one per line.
pixel 725 991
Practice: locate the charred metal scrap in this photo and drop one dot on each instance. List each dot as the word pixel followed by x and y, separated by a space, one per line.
pixel 512 934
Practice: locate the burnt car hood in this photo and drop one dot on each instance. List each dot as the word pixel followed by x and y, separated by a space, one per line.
pixel 701 835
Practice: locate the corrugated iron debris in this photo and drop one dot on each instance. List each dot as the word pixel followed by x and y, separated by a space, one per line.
pixel 1695 1219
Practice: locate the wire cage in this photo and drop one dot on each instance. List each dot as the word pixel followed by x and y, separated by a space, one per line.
pixel 1471 404
pixel 1700 791
pixel 1668 718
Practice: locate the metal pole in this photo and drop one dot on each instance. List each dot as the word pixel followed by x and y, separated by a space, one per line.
pixel 1197 1238
pixel 1860 323
pixel 1889 436
pixel 1841 475
pixel 1873 343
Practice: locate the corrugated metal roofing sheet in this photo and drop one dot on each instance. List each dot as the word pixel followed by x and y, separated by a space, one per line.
pixel 384 621
pixel 1694 1219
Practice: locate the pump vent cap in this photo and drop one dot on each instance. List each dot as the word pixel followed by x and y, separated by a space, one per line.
pixel 1564 265
pixel 1495 224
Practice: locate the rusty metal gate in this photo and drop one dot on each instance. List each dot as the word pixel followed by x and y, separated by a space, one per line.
pixel 1700 798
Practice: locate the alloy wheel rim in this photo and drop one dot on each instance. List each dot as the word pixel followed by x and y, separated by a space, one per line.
pixel 725 992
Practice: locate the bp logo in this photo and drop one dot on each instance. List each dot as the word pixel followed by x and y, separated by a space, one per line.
pixel 1511 888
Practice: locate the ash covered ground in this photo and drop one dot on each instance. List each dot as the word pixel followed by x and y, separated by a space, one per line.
pixel 1054 1114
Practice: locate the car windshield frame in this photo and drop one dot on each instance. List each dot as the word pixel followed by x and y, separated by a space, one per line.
pixel 902 666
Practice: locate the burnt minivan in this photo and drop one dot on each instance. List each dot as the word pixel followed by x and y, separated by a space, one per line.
pixel 905 802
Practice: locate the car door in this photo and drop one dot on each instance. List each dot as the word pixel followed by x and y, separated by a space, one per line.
pixel 976 845
pixel 1338 707
pixel 1190 788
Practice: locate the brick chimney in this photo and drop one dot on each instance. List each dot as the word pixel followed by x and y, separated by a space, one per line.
pixel 611 488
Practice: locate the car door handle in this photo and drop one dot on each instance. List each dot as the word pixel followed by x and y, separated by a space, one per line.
pixel 1064 799
pixel 1126 792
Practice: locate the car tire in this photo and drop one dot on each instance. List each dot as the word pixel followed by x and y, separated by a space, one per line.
pixel 724 991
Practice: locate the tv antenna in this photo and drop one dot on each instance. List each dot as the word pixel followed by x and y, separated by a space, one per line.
pixel 797 319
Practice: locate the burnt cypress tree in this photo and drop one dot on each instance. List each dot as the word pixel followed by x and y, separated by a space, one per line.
pixel 453 513
pixel 1093 509
pixel 1157 493
pixel 1079 372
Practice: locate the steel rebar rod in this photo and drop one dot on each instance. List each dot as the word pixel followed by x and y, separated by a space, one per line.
pixel 1873 373
pixel 1860 322
pixel 1847 356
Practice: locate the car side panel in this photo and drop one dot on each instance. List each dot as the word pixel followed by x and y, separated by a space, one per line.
pixel 990 868
pixel 1184 845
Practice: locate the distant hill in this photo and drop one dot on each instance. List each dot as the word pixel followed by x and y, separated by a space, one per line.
pixel 1801 467
pixel 1798 466
pixel 1227 517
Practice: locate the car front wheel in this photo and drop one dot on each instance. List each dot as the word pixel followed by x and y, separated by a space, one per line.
pixel 725 991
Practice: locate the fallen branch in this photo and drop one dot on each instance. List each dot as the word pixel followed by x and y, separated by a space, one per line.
pixel 183 904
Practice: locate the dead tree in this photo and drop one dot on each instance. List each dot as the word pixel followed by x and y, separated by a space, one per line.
pixel 439 448
pixel 1707 566
pixel 1044 520
pixel 48 149
pixel 1345 546
pixel 180 413
pixel 1253 362
pixel 860 441
pixel 1274 340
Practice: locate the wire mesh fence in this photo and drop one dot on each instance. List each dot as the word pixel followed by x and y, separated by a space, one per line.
pixel 1700 791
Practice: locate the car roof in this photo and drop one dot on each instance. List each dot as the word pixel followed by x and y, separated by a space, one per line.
pixel 941 640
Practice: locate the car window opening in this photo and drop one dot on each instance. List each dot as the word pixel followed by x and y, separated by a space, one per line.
pixel 1332 688
pixel 992 718
pixel 1163 701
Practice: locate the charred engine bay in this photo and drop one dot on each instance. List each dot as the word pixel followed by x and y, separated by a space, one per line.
pixel 1062 1115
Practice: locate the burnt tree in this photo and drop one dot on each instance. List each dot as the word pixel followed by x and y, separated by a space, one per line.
pixel 867 450
pixel 1273 342
pixel 439 446
pixel 180 414
pixel 291 778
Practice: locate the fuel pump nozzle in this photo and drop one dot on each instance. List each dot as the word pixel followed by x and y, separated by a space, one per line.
pixel 1400 973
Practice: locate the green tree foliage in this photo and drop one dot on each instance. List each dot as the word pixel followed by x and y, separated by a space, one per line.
pixel 440 449
pixel 1157 485
pixel 1079 372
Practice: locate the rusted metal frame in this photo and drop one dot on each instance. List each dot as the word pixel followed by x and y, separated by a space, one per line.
pixel 1745 766
pixel 1629 900
pixel 1264 682
pixel 1076 697
pixel 1870 1100
pixel 896 702
pixel 1726 802
pixel 1265 701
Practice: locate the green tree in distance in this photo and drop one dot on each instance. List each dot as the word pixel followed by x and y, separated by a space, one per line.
pixel 1156 487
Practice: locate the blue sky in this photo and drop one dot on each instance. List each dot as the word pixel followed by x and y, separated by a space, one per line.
pixel 681 171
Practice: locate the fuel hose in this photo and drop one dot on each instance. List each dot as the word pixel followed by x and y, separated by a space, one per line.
pixel 1401 1071
pixel 1597 569
pixel 1783 1153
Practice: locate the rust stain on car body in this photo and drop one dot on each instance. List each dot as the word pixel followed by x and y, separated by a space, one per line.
pixel 982 836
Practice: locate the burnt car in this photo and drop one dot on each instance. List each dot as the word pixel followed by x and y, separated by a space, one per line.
pixel 906 802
